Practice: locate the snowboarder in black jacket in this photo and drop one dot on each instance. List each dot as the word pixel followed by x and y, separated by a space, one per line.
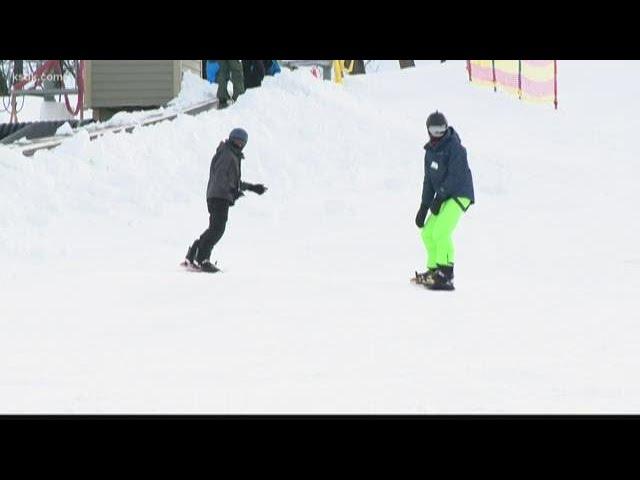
pixel 223 189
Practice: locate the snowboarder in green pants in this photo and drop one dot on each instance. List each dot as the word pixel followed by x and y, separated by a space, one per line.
pixel 447 190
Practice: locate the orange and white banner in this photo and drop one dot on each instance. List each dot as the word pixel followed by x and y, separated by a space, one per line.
pixel 531 80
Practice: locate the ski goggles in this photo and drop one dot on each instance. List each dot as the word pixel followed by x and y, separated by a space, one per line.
pixel 437 130
pixel 239 142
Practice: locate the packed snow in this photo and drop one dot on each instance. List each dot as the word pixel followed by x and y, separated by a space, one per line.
pixel 314 312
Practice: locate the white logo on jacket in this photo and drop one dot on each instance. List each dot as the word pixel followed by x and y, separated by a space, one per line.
pixel 434 165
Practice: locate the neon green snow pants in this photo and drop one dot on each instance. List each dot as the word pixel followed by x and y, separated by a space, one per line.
pixel 438 230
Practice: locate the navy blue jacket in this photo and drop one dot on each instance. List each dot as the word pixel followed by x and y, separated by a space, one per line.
pixel 446 170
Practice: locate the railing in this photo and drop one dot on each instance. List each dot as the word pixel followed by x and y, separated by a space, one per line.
pixel 19 81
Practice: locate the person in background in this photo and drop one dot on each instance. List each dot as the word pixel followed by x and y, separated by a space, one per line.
pixel 253 72
pixel 213 67
pixel 271 67
pixel 229 70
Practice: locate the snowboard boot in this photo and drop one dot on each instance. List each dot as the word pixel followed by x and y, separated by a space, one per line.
pixel 442 279
pixel 207 266
pixel 189 259
pixel 424 278
pixel 225 103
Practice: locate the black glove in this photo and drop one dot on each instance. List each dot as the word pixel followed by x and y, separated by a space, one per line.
pixel 422 214
pixel 437 203
pixel 258 188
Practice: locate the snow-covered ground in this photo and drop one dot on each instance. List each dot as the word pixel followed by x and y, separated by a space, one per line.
pixel 31 109
pixel 314 312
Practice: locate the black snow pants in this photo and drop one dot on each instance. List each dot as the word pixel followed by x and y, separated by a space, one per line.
pixel 218 214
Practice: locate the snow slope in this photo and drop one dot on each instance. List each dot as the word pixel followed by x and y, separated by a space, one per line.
pixel 314 312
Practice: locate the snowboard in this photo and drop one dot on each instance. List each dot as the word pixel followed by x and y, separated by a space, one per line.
pixel 446 287
pixel 192 268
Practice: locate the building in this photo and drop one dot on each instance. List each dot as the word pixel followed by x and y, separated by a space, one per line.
pixel 116 85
